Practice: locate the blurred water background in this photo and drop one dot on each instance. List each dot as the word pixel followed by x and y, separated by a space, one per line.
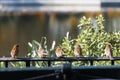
pixel 22 21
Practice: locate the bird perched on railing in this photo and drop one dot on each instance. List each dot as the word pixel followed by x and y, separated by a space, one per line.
pixel 77 50
pixel 108 52
pixel 42 53
pixel 15 51
pixel 59 51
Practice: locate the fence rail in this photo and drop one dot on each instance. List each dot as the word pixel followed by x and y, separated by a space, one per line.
pixel 49 60
pixel 66 72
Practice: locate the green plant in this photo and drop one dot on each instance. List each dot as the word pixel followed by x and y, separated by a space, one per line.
pixel 67 45
pixel 33 51
pixel 1 64
pixel 35 45
pixel 93 38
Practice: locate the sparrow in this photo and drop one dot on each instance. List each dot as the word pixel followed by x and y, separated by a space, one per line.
pixel 42 53
pixel 108 52
pixel 77 50
pixel 59 51
pixel 15 51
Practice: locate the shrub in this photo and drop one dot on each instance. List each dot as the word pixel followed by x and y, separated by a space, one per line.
pixel 93 38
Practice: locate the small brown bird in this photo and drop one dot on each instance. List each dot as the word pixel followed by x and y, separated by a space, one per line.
pixel 77 50
pixel 42 53
pixel 59 51
pixel 15 51
pixel 108 52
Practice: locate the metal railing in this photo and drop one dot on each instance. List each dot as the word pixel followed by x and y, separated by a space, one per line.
pixel 66 72
pixel 49 60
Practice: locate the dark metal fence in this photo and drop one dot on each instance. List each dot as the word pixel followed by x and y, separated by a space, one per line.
pixel 66 72
pixel 27 61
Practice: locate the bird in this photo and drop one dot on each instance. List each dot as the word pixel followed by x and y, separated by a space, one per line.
pixel 59 51
pixel 42 53
pixel 15 51
pixel 108 52
pixel 77 50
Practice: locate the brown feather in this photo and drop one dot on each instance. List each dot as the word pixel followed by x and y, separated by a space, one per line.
pixel 108 52
pixel 59 51
pixel 77 50
pixel 15 51
pixel 42 53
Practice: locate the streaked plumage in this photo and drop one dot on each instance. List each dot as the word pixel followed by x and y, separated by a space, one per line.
pixel 15 51
pixel 59 51
pixel 42 53
pixel 77 50
pixel 108 52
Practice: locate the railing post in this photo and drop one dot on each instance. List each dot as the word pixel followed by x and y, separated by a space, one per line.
pixel 6 64
pixel 91 62
pixel 112 62
pixel 49 63
pixel 28 63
